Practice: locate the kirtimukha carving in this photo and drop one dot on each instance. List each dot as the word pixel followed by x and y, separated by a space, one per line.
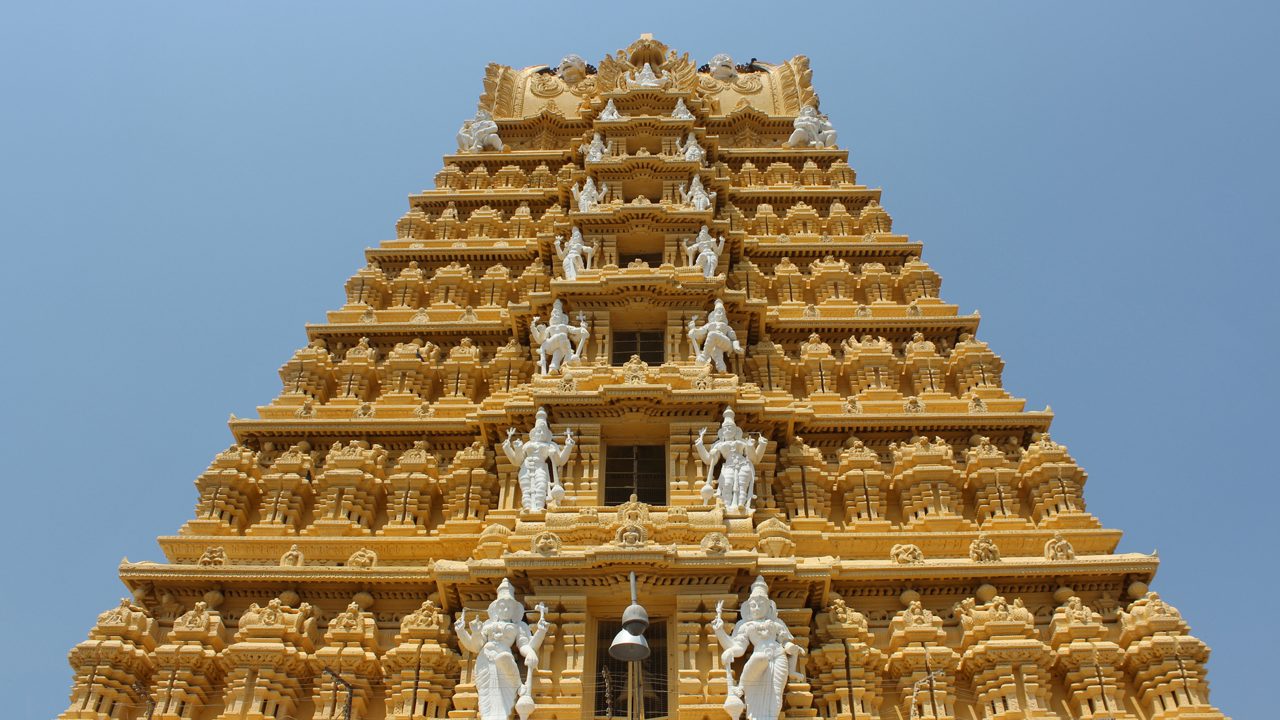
pixel 494 642
pixel 714 338
pixel 737 455
pixel 540 461
pixel 773 660
pixel 572 69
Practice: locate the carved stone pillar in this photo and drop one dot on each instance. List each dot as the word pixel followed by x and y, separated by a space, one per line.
pixel 701 684
pixel 844 667
pixel 1056 486
pixel 558 684
pixel 863 489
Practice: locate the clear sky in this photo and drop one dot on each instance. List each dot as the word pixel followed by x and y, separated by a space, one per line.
pixel 185 184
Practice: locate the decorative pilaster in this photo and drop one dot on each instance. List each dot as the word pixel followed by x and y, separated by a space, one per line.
pixel 350 650
pixel 113 665
pixel 1165 662
pixel 421 670
pixel 269 663
pixel 189 666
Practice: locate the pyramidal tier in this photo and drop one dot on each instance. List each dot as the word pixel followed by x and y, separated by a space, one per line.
pixel 647 322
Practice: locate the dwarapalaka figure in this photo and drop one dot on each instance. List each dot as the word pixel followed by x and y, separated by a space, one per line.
pixel 704 252
pixel 539 461
pixel 714 338
pixel 556 338
pixel 737 482
pixel 496 675
pixel 773 658
pixel 575 256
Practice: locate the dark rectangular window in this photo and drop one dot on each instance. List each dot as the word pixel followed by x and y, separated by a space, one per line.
pixel 648 344
pixel 619 685
pixel 639 470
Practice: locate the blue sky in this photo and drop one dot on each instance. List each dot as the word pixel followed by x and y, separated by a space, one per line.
pixel 186 184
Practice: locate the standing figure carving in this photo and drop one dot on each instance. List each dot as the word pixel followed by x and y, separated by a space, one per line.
pixel 539 461
pixel 690 150
pixel 773 661
pixel 596 150
pixel 556 338
pixel 714 338
pixel 479 134
pixel 588 196
pixel 575 256
pixel 812 129
pixel 704 252
pixel 697 196
pixel 737 481
pixel 610 112
pixel 494 642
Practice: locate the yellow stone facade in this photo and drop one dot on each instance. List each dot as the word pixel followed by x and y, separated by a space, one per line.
pixel 926 542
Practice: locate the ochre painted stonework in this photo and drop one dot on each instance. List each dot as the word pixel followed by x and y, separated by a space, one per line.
pixel 925 541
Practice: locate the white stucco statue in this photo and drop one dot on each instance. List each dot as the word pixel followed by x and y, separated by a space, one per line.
pixel 556 339
pixel 539 461
pixel 722 68
pixel 610 112
pixel 572 69
pixel 737 481
pixel 690 150
pixel 588 196
pixel 697 196
pixel 494 642
pixel 575 256
pixel 812 129
pixel 596 150
pixel 646 78
pixel 682 111
pixel 774 655
pixel 704 252
pixel 479 134
pixel 714 338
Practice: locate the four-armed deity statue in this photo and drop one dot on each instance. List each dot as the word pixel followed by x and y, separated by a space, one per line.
pixel 588 196
pixel 556 339
pixel 494 642
pixel 774 655
pixel 812 129
pixel 575 256
pixel 479 134
pixel 714 338
pixel 737 455
pixel 697 196
pixel 704 252
pixel 539 461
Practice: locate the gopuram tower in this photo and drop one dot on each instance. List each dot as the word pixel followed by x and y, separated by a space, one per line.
pixel 647 322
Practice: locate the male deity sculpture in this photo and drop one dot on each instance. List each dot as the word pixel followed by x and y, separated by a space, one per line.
pixel 722 68
pixel 714 338
pixel 774 656
pixel 539 461
pixel 682 111
pixel 690 150
pixel 610 112
pixel 740 454
pixel 587 197
pixel 479 134
pixel 572 69
pixel 596 150
pixel 697 196
pixel 496 674
pixel 812 129
pixel 704 252
pixel 646 78
pixel 575 256
pixel 556 338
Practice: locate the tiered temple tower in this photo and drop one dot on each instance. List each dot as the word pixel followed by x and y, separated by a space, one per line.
pixel 642 250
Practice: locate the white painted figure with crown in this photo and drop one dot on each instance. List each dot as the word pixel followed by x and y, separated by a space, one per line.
pixel 496 674
pixel 714 338
pixel 556 338
pixel 479 134
pixel 690 150
pixel 704 252
pixel 812 129
pixel 575 256
pixel 697 196
pixel 646 78
pixel 539 461
pixel 740 454
pixel 596 150
pixel 774 656
pixel 588 196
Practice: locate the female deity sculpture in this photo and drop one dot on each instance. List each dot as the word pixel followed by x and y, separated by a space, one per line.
pixel 697 196
pixel 737 481
pixel 479 134
pixel 496 674
pixel 574 256
pixel 704 252
pixel 556 338
pixel 681 112
pixel 690 150
pixel 812 129
pixel 587 197
pixel 714 338
pixel 539 461
pixel 610 112
pixel 596 150
pixel 774 656
pixel 646 78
